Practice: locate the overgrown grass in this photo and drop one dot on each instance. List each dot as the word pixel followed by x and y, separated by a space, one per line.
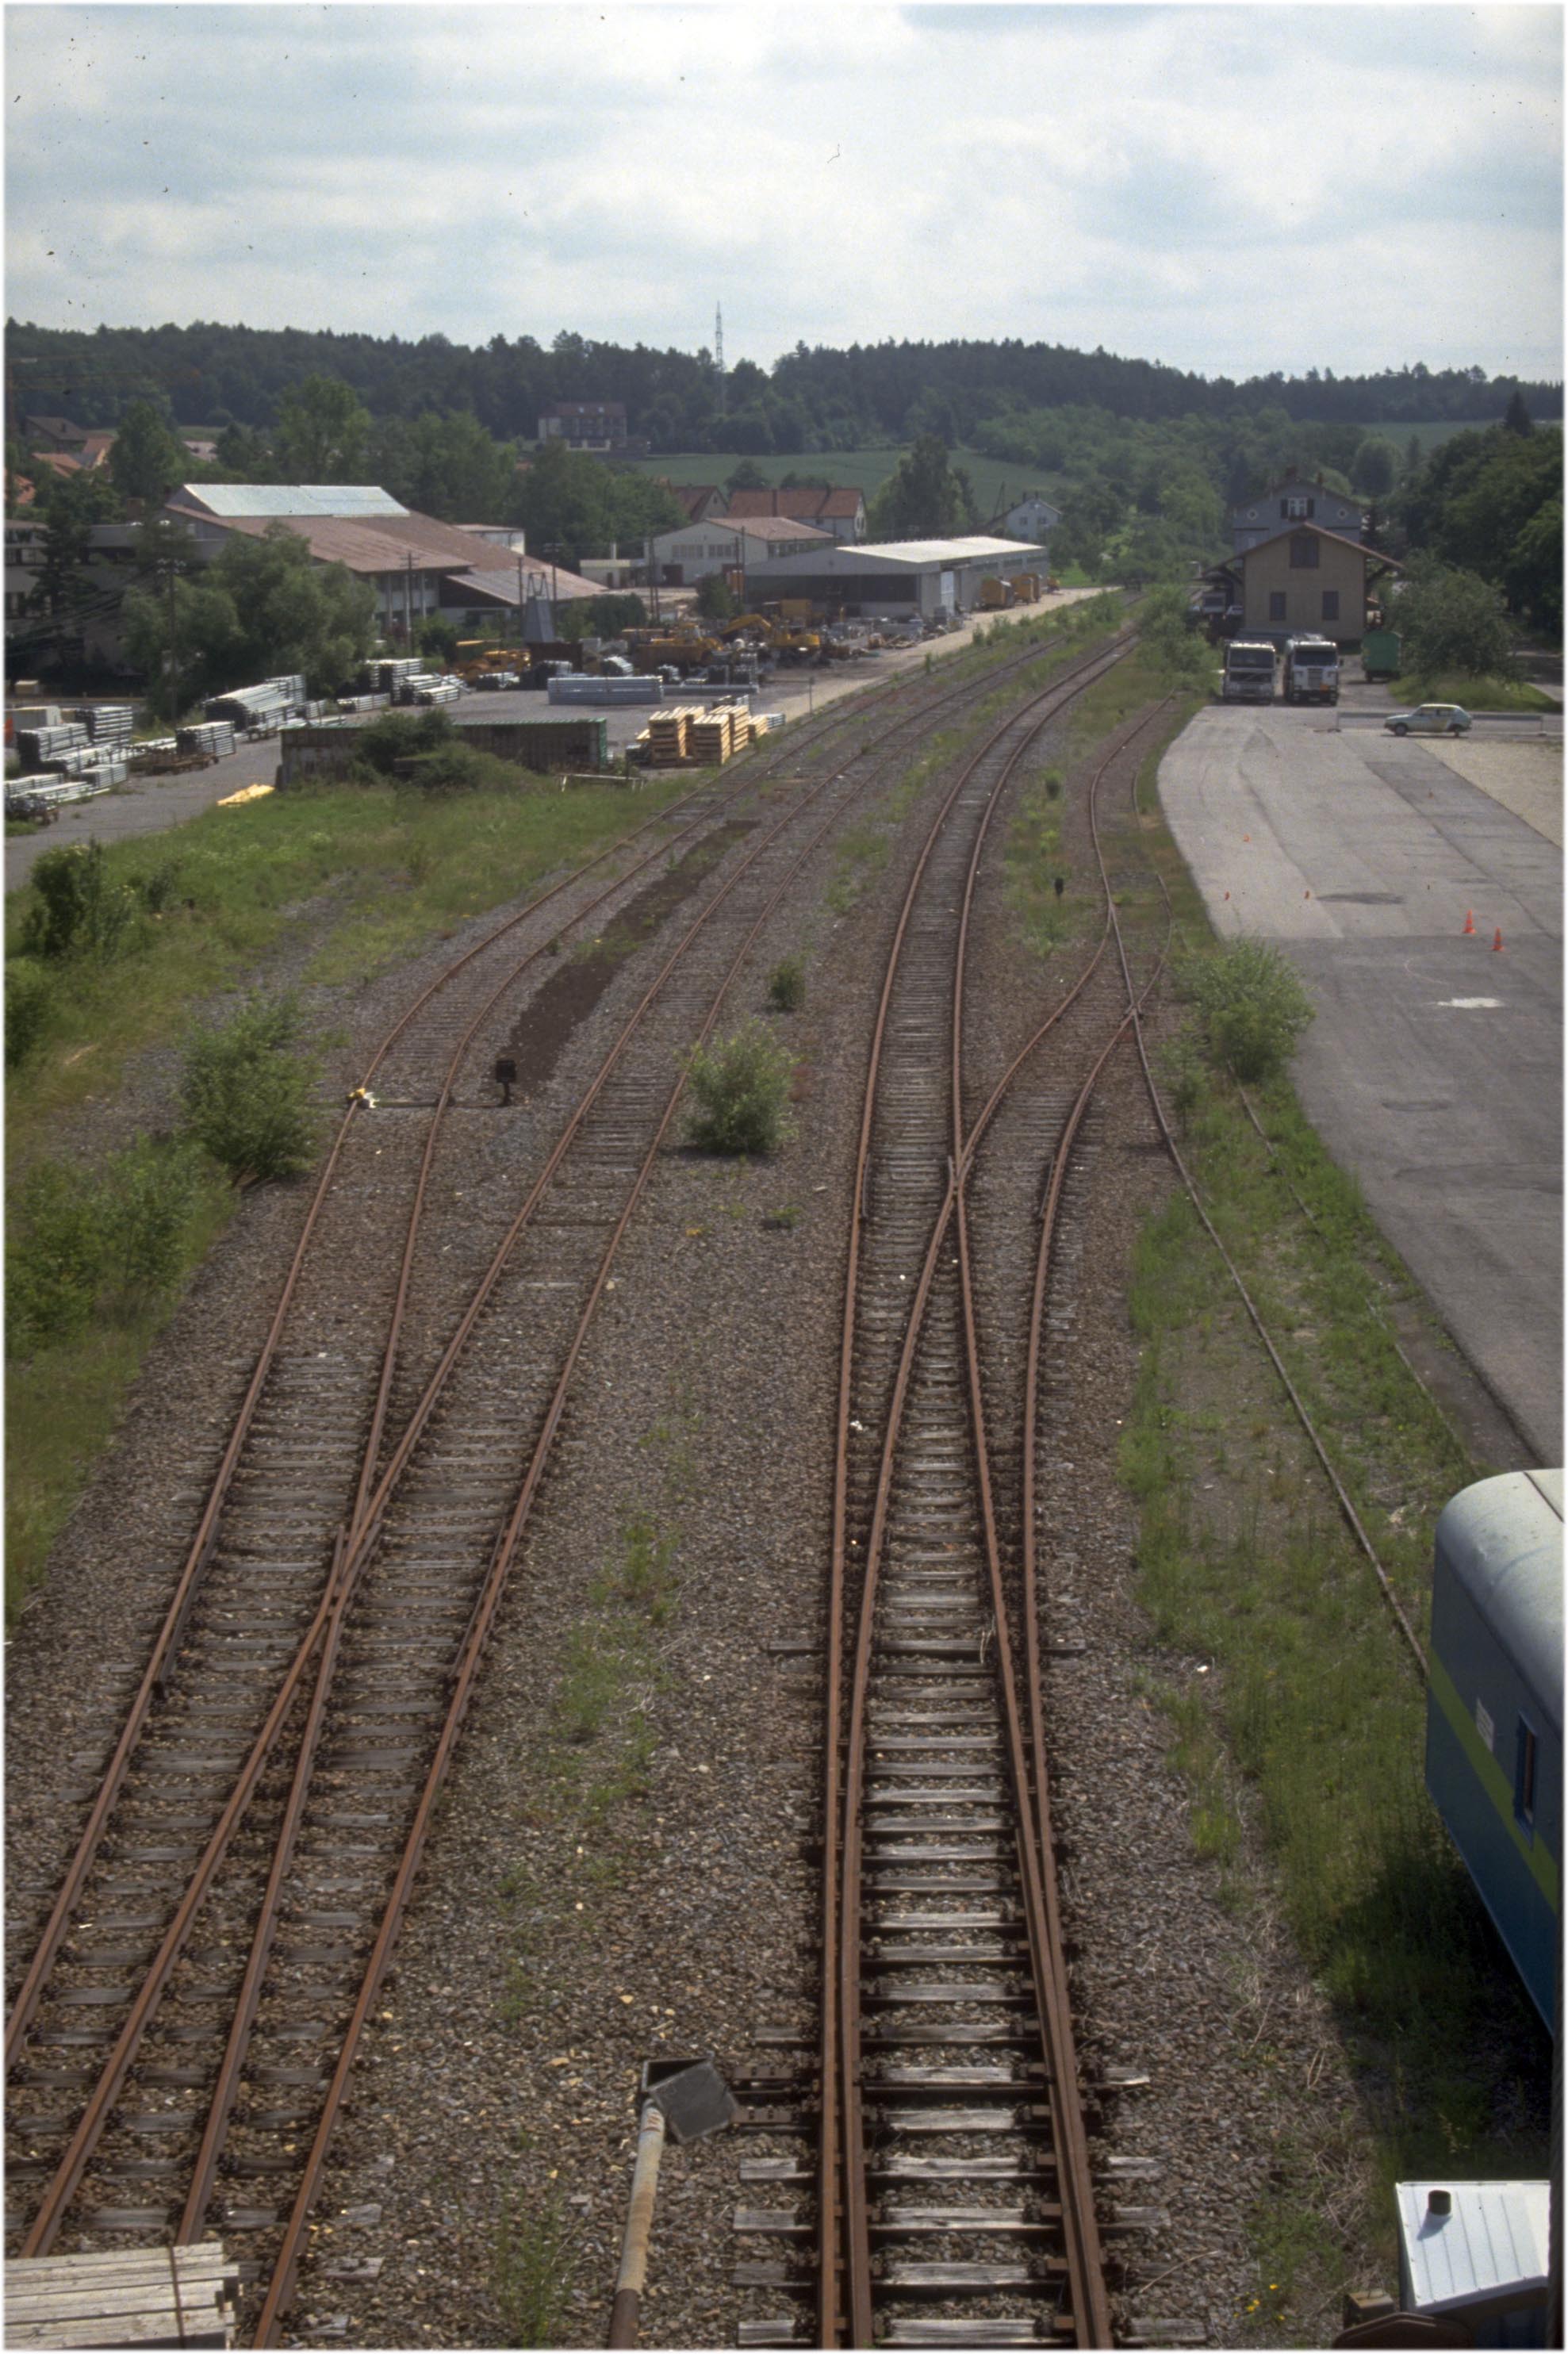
pixel 371 872
pixel 366 874
pixel 1474 693
pixel 1245 1562
pixel 65 1397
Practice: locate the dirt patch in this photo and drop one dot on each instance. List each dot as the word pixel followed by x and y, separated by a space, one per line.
pixel 570 994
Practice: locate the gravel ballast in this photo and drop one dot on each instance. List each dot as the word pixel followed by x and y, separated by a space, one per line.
pixel 604 1889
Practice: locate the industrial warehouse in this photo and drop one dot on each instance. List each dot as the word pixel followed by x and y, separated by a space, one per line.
pixel 895 579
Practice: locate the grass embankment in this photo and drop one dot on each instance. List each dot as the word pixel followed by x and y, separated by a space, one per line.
pixel 341 883
pixel 1303 1749
pixel 1474 693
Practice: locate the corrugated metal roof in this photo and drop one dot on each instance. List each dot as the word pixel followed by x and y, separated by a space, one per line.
pixel 897 555
pixel 502 583
pixel 1493 2238
pixel 236 502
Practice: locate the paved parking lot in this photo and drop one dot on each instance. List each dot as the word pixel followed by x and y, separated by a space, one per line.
pixel 1433 1069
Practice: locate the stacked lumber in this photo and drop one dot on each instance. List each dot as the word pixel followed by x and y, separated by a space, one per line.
pixel 667 733
pixel 143 2296
pixel 725 729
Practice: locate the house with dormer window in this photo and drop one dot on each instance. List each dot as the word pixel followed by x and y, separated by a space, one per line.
pixel 1296 499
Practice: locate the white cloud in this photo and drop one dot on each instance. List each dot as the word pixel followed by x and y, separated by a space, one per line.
pixel 1184 181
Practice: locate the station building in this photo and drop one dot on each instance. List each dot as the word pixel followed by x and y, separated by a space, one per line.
pixel 1301 581
pixel 897 579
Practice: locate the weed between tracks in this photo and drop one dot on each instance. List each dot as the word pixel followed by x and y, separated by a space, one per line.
pixel 591 1769
pixel 1302 1746
pixel 536 2265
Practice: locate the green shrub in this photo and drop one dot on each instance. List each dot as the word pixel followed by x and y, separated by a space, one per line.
pixel 81 1246
pixel 158 889
pixel 1251 1007
pixel 149 1196
pixel 55 1256
pixel 786 985
pixel 76 909
pixel 741 1087
pixel 401 736
pixel 29 993
pixel 458 768
pixel 246 1092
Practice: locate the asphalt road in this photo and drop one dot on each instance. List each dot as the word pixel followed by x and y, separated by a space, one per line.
pixel 1433 1069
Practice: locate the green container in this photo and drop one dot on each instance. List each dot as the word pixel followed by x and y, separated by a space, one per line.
pixel 1380 653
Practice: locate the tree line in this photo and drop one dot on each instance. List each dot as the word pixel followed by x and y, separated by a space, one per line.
pixel 816 398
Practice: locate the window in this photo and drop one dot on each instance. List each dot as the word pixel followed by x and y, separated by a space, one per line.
pixel 1277 604
pixel 1331 604
pixel 1524 1773
pixel 1303 552
pixel 1295 510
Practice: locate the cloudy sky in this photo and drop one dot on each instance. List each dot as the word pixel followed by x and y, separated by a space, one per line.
pixel 1228 189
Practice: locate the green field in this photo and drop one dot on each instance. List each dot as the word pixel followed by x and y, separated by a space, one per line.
pixel 995 481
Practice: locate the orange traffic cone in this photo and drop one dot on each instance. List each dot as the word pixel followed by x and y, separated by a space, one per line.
pixel 1497 938
pixel 1469 931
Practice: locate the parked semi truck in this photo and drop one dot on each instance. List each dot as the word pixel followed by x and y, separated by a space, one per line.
pixel 1249 672
pixel 1311 670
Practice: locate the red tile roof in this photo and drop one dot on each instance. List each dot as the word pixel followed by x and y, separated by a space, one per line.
pixel 809 505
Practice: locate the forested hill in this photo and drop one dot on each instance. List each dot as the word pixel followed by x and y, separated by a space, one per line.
pixel 818 398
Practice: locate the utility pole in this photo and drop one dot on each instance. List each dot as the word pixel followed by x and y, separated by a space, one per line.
pixel 718 353
pixel 174 646
pixel 409 603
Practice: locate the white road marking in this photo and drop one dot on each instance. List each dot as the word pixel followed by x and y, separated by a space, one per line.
pixel 1466 1003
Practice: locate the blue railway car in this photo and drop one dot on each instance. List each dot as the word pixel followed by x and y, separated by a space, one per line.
pixel 1494 1707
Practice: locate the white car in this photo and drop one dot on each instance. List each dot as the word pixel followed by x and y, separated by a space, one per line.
pixel 1430 719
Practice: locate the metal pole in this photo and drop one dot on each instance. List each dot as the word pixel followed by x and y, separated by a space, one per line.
pixel 174 650
pixel 409 603
pixel 625 2312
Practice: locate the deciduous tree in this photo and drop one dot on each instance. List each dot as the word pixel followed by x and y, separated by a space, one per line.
pixel 147 460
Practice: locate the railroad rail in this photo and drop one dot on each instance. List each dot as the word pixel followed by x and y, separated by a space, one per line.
pixel 273 1786
pixel 945 2060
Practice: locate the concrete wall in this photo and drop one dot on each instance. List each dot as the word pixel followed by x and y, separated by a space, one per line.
pixel 542 745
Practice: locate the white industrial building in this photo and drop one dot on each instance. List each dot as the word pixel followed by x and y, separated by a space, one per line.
pixel 897 579
pixel 692 551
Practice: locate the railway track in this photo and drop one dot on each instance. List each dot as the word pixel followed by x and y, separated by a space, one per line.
pixel 955 2201
pixel 183 2034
